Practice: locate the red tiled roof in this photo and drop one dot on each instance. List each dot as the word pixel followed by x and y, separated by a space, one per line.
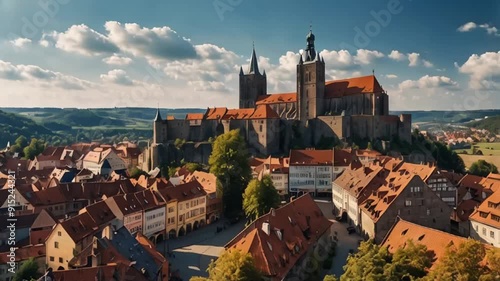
pixel 278 240
pixel 194 116
pixel 207 180
pixel 277 98
pixel 24 253
pixel 216 113
pixel 436 241
pixel 183 192
pixel 80 226
pixel 311 157
pixel 352 86
pixel 100 213
pixel 489 209
pixel 238 114
pixel 264 112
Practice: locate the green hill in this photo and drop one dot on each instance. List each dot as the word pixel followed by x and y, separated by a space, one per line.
pixel 491 124
pixel 13 125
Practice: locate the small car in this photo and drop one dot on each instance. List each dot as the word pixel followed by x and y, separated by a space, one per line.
pixel 351 229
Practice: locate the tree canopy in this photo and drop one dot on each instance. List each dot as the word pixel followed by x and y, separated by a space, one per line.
pixel 27 271
pixel 229 163
pixel 482 168
pixel 373 262
pixel 232 265
pixel 260 196
pixel 34 148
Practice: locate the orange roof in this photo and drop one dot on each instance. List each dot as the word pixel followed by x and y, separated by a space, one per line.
pixel 311 157
pixel 264 112
pixel 360 182
pixel 243 113
pixel 378 202
pixel 194 116
pixel 216 113
pixel 489 211
pixel 277 98
pixel 170 117
pixel 279 239
pixel 207 180
pixel 436 241
pixel 345 157
pixel 352 86
pixel 423 171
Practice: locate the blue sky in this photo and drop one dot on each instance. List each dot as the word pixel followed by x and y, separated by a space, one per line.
pixel 426 54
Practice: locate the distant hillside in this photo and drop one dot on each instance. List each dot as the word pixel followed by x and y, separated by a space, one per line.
pixel 448 116
pixel 14 125
pixel 491 124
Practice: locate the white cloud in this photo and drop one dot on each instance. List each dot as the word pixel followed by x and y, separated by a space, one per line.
pixel 80 39
pixel 491 30
pixel 427 63
pixel 414 59
pixel 391 76
pixel 484 70
pixel 116 59
pixel 20 42
pixel 397 55
pixel 367 56
pixel 40 76
pixel 340 59
pixel 154 43
pixel 467 27
pixel 117 76
pixel 428 82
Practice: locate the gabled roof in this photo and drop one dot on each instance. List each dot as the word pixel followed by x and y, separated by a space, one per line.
pixel 422 170
pixel 489 211
pixel 264 112
pixel 44 219
pixel 357 85
pixel 360 181
pixel 238 114
pixel 436 241
pixel 207 180
pixel 148 200
pixel 183 192
pixel 80 226
pixel 311 157
pixel 127 203
pixel 277 98
pixel 279 239
pixel 194 116
pixel 99 212
pixel 215 113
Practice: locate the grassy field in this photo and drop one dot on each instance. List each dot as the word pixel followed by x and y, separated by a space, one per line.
pixel 488 148
pixel 469 159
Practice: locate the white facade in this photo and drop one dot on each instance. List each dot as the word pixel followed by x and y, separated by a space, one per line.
pixel 311 178
pixel 345 202
pixel 154 221
pixel 280 181
pixel 485 233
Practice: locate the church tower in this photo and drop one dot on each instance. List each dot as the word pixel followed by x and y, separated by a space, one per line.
pixel 252 84
pixel 310 82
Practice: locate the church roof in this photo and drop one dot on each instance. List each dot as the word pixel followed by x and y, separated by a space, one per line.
pixel 194 116
pixel 254 66
pixel 242 113
pixel 216 113
pixel 277 98
pixel 264 112
pixel 357 85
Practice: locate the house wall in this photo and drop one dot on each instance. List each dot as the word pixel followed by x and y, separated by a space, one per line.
pixel 133 222
pixel 485 233
pixel 154 221
pixel 310 178
pixel 64 251
pixel 280 182
pixel 171 218
pixel 191 211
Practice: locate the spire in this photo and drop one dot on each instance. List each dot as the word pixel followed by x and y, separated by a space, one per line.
pixel 254 66
pixel 310 51
pixel 241 71
pixel 300 59
pixel 264 74
pixel 158 116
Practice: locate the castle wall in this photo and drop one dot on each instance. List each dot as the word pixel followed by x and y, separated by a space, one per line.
pixel 178 129
pixel 331 127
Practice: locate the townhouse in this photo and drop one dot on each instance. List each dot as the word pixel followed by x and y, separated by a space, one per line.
pixel 153 215
pixel 406 195
pixel 103 161
pixel 283 241
pixel 276 168
pixel 127 209
pixel 214 203
pixel 186 204
pixel 485 220
pixel 54 156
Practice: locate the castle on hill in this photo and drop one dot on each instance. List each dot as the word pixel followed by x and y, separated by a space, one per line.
pixel 355 107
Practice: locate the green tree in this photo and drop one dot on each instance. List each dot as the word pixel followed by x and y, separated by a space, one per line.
pixel 330 278
pixel 36 147
pixel 232 265
pixel 259 197
pixel 460 263
pixel 482 168
pixel 369 146
pixel 411 262
pixel 21 141
pixel 27 271
pixel 179 143
pixel 229 163
pixel 493 258
pixel 135 173
pixel 367 264
pixel 191 167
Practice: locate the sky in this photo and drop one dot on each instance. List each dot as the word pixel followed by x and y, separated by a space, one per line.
pixel 426 54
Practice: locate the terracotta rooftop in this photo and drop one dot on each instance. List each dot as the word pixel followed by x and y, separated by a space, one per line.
pixel 243 113
pixel 279 239
pixel 422 170
pixel 207 180
pixel 311 157
pixel 194 116
pixel 345 157
pixel 436 241
pixel 277 98
pixel 99 212
pixel 215 113
pixel 489 211
pixel 264 112
pixel 360 182
pixel 126 203
pixel 80 226
pixel 183 192
pixel 357 85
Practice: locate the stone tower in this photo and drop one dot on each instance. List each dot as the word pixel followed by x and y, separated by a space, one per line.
pixel 310 82
pixel 158 128
pixel 253 84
